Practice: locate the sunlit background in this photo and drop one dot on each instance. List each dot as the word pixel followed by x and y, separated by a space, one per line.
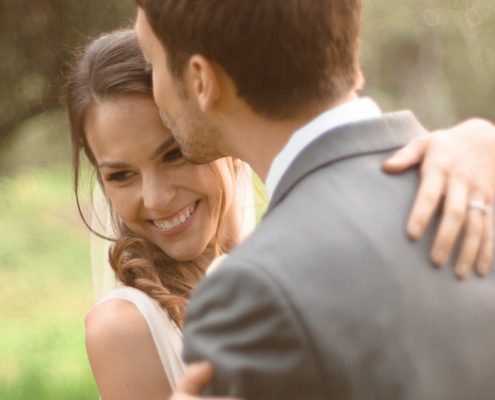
pixel 434 57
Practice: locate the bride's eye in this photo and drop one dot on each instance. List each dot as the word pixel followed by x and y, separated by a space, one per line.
pixel 173 155
pixel 121 176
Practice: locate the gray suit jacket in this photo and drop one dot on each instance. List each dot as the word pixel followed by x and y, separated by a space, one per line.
pixel 328 299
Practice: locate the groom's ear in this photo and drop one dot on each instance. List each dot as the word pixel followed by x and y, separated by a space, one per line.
pixel 204 81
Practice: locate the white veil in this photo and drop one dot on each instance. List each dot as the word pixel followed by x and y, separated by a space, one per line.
pixel 103 276
pixel 101 221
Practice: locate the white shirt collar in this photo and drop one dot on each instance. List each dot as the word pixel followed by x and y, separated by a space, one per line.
pixel 351 111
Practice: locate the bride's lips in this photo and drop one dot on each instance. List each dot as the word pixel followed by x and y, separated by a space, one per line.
pixel 177 224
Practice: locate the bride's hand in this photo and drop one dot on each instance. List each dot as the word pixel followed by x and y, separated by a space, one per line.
pixel 458 171
pixel 196 377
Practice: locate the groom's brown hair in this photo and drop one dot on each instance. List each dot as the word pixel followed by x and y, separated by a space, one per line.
pixel 283 55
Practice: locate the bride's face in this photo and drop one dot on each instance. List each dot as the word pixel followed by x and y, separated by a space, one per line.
pixel 156 193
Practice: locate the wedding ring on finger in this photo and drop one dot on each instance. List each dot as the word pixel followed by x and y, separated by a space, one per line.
pixel 478 205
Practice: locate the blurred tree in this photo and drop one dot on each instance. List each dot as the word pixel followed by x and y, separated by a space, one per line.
pixel 36 41
pixel 436 57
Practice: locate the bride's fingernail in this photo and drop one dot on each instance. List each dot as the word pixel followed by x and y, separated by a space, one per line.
pixel 438 258
pixel 483 270
pixel 414 231
pixel 461 272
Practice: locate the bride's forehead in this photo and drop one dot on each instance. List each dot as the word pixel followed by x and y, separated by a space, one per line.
pixel 126 108
pixel 127 119
pixel 115 134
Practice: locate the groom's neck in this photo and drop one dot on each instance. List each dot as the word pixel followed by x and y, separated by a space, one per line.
pixel 257 139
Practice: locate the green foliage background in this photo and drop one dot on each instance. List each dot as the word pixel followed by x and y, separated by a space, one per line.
pixel 436 57
pixel 45 289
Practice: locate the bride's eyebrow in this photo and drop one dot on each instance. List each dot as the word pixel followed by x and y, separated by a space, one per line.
pixel 157 153
pixel 164 146
pixel 113 165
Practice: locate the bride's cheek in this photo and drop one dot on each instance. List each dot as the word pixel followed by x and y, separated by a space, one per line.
pixel 122 204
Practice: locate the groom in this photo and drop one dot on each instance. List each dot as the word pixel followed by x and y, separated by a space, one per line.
pixel 327 299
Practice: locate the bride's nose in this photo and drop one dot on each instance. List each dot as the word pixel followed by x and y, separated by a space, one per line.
pixel 157 191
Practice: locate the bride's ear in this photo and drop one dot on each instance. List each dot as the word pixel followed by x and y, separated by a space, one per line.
pixel 204 82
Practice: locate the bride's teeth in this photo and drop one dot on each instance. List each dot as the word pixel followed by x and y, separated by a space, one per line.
pixel 176 221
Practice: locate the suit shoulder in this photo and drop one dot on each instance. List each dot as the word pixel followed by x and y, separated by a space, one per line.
pixel 238 276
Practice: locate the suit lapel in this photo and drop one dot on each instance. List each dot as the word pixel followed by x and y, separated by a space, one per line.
pixel 386 133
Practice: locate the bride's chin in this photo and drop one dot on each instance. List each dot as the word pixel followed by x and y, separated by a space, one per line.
pixel 179 255
pixel 203 255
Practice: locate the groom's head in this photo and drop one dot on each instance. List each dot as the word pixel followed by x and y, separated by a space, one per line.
pixel 282 57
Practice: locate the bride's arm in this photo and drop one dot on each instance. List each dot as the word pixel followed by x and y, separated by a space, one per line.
pixel 122 354
pixel 457 168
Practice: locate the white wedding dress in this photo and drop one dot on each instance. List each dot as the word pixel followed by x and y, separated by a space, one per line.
pixel 165 333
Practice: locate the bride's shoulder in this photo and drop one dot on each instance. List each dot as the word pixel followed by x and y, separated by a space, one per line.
pixel 114 318
pixel 127 311
pixel 117 315
pixel 121 308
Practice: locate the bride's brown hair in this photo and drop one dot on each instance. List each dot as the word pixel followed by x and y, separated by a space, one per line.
pixel 113 66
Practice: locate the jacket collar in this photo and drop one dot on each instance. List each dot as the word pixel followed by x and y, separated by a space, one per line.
pixel 375 135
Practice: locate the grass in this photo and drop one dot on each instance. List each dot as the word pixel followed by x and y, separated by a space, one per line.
pixel 45 291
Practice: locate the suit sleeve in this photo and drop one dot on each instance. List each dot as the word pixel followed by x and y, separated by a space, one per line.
pixel 242 322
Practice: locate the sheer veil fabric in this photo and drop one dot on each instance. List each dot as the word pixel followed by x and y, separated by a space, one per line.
pixel 166 335
pixel 101 222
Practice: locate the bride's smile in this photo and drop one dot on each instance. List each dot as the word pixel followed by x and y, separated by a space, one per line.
pixel 178 222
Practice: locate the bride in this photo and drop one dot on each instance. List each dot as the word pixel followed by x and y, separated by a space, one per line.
pixel 167 218
pixel 172 218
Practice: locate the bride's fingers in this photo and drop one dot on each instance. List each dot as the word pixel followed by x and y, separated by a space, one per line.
pixel 485 256
pixel 408 156
pixel 196 377
pixel 427 200
pixel 472 240
pixel 452 220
